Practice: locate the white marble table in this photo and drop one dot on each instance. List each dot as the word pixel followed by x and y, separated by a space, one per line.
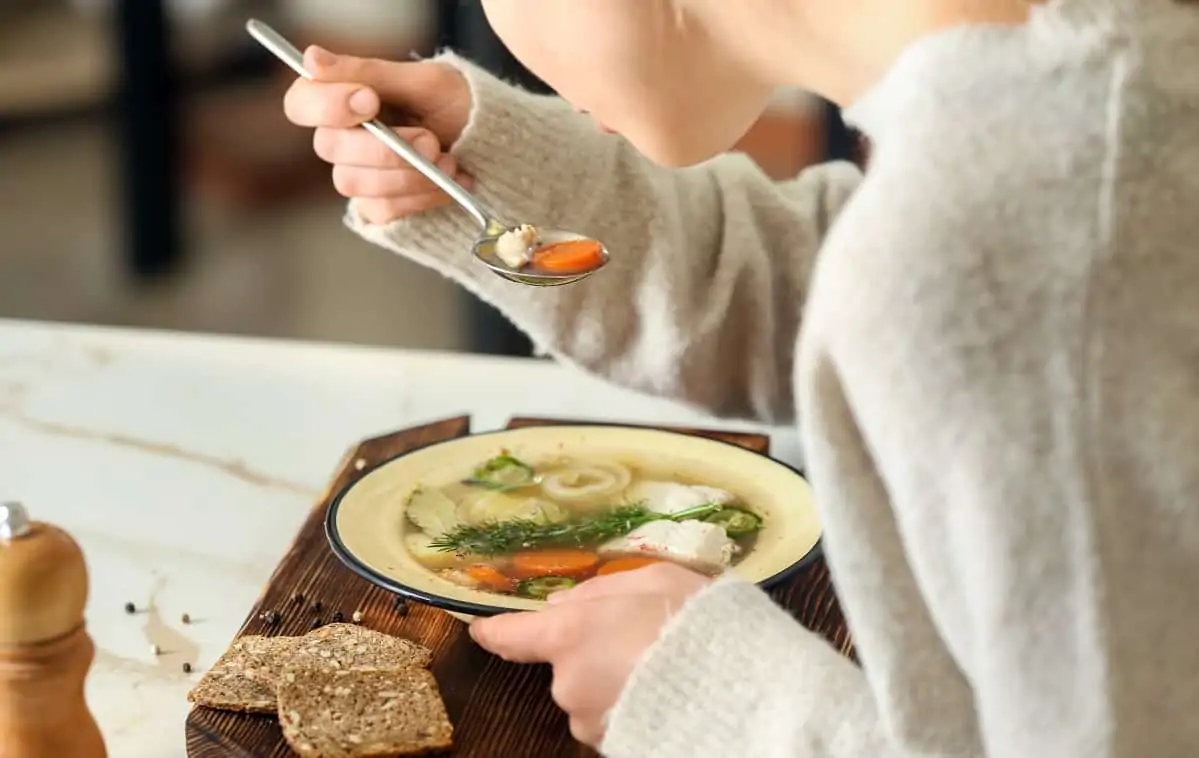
pixel 185 464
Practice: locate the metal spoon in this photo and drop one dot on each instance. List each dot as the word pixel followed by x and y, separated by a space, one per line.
pixel 484 247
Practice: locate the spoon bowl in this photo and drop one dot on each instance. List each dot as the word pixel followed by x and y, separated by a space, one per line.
pixel 484 252
pixel 492 228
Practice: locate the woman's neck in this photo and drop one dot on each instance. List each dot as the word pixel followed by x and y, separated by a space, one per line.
pixel 838 48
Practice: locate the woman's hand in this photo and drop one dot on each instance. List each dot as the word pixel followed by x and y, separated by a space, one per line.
pixel 593 636
pixel 433 100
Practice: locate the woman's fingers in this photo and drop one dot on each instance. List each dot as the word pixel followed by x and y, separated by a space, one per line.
pixel 383 210
pixel 332 104
pixel 386 210
pixel 355 181
pixel 358 147
pixel 651 579
pixel 346 92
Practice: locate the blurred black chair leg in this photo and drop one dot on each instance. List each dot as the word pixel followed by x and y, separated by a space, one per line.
pixel 844 143
pixel 147 136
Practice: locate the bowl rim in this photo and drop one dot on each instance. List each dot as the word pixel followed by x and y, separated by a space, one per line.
pixel 350 561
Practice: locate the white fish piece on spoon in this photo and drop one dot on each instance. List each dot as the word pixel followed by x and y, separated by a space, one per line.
pixel 515 246
pixel 669 498
pixel 696 544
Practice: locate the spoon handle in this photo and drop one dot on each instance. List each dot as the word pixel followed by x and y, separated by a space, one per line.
pixel 287 52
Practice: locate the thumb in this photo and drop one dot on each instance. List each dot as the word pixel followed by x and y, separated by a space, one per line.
pixel 655 578
pixel 430 91
pixel 401 83
pixel 519 637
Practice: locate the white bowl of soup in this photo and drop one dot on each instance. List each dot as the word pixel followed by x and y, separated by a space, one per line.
pixel 496 522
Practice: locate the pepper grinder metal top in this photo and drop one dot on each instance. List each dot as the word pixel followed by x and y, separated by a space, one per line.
pixel 14 522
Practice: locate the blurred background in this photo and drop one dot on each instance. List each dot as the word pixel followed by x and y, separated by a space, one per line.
pixel 148 178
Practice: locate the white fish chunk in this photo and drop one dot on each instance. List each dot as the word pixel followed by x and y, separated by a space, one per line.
pixel 515 245
pixel 696 544
pixel 669 498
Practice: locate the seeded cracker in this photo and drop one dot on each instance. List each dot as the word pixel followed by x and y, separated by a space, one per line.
pixel 243 678
pixel 362 713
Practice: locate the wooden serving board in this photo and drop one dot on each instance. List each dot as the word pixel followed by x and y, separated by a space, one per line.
pixel 498 709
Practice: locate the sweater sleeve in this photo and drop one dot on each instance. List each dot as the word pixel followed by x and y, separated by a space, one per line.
pixel 702 299
pixel 734 674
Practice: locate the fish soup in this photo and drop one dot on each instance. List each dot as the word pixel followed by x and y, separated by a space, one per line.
pixel 516 528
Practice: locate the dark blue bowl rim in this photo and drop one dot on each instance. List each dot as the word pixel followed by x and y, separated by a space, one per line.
pixel 480 609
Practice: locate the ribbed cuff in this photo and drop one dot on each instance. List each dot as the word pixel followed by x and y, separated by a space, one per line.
pixel 733 674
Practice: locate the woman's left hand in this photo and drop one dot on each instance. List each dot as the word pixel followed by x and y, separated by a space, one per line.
pixel 593 636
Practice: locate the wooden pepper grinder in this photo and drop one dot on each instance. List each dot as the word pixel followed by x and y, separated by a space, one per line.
pixel 45 650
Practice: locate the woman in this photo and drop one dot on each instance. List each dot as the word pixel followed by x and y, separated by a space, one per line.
pixel 995 371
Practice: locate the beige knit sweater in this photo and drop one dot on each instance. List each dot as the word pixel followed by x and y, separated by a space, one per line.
pixel 998 372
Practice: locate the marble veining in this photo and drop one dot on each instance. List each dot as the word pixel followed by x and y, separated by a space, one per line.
pixel 232 467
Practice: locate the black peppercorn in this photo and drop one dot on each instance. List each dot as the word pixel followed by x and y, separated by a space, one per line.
pixel 316 623
pixel 402 609
pixel 297 598
pixel 338 617
pixel 272 618
pixel 400 603
pixel 187 668
pixel 130 608
pixel 315 607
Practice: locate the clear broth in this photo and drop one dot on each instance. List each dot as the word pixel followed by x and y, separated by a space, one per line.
pixel 561 495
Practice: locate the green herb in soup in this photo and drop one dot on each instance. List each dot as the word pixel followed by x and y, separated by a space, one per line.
pixel 502 537
pixel 514 528
pixel 503 473
pixel 544 586
pixel 737 522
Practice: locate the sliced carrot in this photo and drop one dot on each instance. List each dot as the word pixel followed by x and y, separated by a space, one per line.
pixel 569 257
pixel 489 577
pixel 632 563
pixel 554 563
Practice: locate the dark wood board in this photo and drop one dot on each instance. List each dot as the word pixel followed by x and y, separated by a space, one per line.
pixel 498 709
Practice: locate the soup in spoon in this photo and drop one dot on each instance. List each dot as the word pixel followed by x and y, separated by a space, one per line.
pixel 523 249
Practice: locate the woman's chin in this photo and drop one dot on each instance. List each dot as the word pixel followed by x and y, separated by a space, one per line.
pixel 667 149
pixel 677 153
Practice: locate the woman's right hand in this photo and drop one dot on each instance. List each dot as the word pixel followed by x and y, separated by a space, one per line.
pixel 433 102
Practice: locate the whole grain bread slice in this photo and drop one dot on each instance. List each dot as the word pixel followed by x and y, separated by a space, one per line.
pixel 339 647
pixel 244 678
pixel 362 713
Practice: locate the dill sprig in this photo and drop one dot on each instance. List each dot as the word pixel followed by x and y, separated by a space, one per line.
pixel 502 537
